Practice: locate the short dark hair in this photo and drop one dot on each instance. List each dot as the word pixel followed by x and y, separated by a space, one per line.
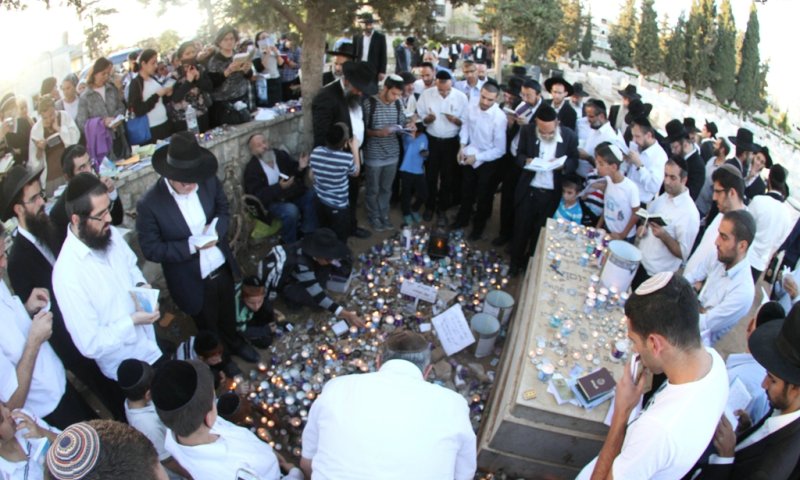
pixel 68 158
pixel 744 225
pixel 572 181
pixel 428 65
pixel 409 346
pixel 644 125
pixel 467 63
pixel 82 206
pixel 223 31
pixel 729 180
pixel 671 311
pixel 603 150
pixel 768 312
pixel 490 87
pixel 147 54
pixel 598 105
pixel 337 136
pixel 681 167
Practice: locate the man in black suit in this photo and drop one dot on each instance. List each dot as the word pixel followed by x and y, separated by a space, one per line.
pixel 745 148
pixel 538 193
pixel 404 56
pixel 769 449
pixel 341 55
pixel 754 184
pixel 340 102
pixel 480 53
pixel 75 160
pixel 30 269
pixel 707 141
pixel 371 46
pixel 616 114
pixel 681 146
pixel 182 222
pixel 560 89
pixel 276 179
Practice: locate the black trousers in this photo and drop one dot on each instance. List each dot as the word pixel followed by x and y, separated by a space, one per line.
pixel 412 184
pixel 71 409
pixel 530 215
pixel 337 219
pixel 477 188
pixel 219 307
pixel 160 132
pixel 442 173
pixel 353 187
pixel 274 91
pixel 509 174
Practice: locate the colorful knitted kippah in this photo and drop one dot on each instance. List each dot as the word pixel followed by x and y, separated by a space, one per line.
pixel 74 453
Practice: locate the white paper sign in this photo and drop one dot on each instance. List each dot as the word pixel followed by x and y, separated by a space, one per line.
pixel 453 331
pixel 419 290
pixel 340 327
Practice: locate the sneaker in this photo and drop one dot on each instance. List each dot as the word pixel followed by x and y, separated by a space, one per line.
pixel 416 216
pixel 408 220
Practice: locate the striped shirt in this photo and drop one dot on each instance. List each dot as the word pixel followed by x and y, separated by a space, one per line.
pixel 289 265
pixel 331 170
pixel 382 151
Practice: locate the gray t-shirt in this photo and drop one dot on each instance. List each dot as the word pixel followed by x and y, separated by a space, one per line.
pixel 382 151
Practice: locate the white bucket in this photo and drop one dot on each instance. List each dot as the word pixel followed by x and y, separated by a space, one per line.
pixel 621 265
pixel 499 304
pixel 486 328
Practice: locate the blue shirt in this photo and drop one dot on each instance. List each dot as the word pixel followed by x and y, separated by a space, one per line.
pixel 331 171
pixel 571 214
pixel 412 160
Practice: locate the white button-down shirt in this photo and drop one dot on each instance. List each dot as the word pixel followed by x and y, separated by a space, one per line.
pixel 705 255
pixel 605 133
pixel 744 367
pixel 525 111
pixel 773 224
pixel 146 420
pixel 391 425
pixel 770 426
pixel 43 249
pixel 236 448
pixel 683 223
pixel 726 296
pixel 366 40
pixel 650 175
pixel 48 380
pixel 473 93
pixel 93 293
pixel 455 103
pixel 547 150
pixel 484 132
pixel 195 217
pixel 273 172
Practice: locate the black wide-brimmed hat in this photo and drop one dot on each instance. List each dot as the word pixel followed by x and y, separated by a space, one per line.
pixel 346 49
pixel 712 128
pixel 765 151
pixel 513 87
pixel 744 140
pixel 184 160
pixel 776 346
pixel 690 125
pixel 323 243
pixel 675 131
pixel 13 183
pixel 362 76
pixel 548 84
pixel 637 109
pixel 630 92
pixel 366 18
pixel 577 89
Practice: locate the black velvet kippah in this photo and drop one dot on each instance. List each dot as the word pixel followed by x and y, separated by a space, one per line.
pixel 443 75
pixel 79 185
pixel 546 113
pixel 174 385
pixel 133 373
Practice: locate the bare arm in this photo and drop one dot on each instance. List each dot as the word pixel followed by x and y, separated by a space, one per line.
pixel 40 331
pixel 305 466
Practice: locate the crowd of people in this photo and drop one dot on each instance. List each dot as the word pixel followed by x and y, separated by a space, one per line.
pixel 708 226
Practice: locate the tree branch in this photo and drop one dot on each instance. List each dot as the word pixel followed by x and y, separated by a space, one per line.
pixel 290 15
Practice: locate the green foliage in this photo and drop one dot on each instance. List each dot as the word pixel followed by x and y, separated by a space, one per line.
pixel 783 123
pixel 568 42
pixel 700 40
pixel 675 56
pixel 750 81
pixel 167 42
pixel 647 54
pixel 587 43
pixel 723 63
pixel 621 35
pixel 518 18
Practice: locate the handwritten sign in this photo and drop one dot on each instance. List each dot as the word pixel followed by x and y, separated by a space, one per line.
pixel 452 329
pixel 418 290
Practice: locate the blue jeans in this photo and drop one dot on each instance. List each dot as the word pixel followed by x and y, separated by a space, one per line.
pixel 300 210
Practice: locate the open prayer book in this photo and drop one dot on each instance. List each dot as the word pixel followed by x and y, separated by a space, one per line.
pixel 146 299
pixel 244 57
pixel 651 217
pixel 117 120
pixel 209 235
pixel 542 165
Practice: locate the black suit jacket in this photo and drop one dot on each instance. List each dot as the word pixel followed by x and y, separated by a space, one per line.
pixel 164 234
pixel 697 174
pixel 328 107
pixel 735 162
pixel 480 54
pixel 758 187
pixel 707 150
pixel 613 112
pixel 566 116
pixel 400 59
pixel 529 148
pixel 376 57
pixel 256 183
pixel 58 214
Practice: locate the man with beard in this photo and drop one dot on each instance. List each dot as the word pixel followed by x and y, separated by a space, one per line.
pixel 682 146
pixel 644 164
pixel 427 75
pixel 30 269
pixel 92 279
pixel 370 46
pixel 703 201
pixel 616 115
pixel 538 193
pixel 75 160
pixel 745 148
pixel 341 55
pixel 708 140
pixel 601 131
pixel 341 102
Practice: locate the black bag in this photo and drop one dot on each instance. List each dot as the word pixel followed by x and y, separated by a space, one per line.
pixel 232 116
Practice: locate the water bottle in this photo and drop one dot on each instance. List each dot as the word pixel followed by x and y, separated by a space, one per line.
pixel 191 120
pixel 261 91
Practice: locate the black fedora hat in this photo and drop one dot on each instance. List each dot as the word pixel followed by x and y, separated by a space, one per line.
pixel 519 71
pixel 690 125
pixel 362 76
pixel 13 183
pixel 577 89
pixel 513 87
pixel 324 243
pixel 630 92
pixel 675 131
pixel 776 346
pixel 637 109
pixel 765 151
pixel 744 140
pixel 548 84
pixel 346 49
pixel 184 160
pixel 712 128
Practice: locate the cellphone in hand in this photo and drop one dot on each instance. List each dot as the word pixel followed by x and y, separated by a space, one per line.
pixel 637 369
pixel 283 177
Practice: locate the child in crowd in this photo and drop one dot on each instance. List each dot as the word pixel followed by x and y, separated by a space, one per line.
pixel 206 445
pixel 412 174
pixel 571 208
pixel 208 348
pixel 134 378
pixel 621 198
pixel 23 444
pixel 254 313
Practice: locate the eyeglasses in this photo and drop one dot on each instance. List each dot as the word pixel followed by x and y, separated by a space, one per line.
pixel 101 216
pixel 36 197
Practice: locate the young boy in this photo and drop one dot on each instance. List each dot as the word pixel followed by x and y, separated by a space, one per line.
pixel 208 446
pixel 330 168
pixel 254 313
pixel 134 377
pixel 412 174
pixel 571 208
pixel 621 198
pixel 208 348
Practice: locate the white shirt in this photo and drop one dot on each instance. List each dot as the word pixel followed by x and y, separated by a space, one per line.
pixel 773 224
pixel 43 249
pixel 48 381
pixel 671 434
pixel 547 150
pixel 389 425
pixel 432 102
pixel 705 254
pixel 727 296
pixel 525 111
pixel 71 108
pixel 366 39
pixel 473 93
pixel 596 136
pixel 273 172
pixel 409 105
pixel 650 175
pixel 146 420
pixel 683 223
pixel 619 201
pixel 92 292
pixel 484 131
pixel 36 449
pixel 419 86
pixel 195 217
pixel 158 115
pixel 772 425
pixel 782 295
pixel 235 448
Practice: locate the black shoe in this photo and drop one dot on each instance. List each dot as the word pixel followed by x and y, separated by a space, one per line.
pixel 362 233
pixel 248 353
pixel 260 337
pixel 475 235
pixel 500 241
pixel 428 215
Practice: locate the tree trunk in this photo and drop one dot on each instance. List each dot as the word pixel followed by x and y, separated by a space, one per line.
pixel 688 95
pixel 497 44
pixel 312 64
pixel 209 9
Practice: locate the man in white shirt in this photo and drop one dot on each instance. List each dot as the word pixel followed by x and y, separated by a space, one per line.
pixel 644 163
pixel 92 279
pixel 205 445
pixel 483 142
pixel 666 437
pixel 531 94
pixel 602 131
pixel 471 85
pixel 665 248
pixel 770 211
pixel 427 78
pixel 442 109
pixel 426 433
